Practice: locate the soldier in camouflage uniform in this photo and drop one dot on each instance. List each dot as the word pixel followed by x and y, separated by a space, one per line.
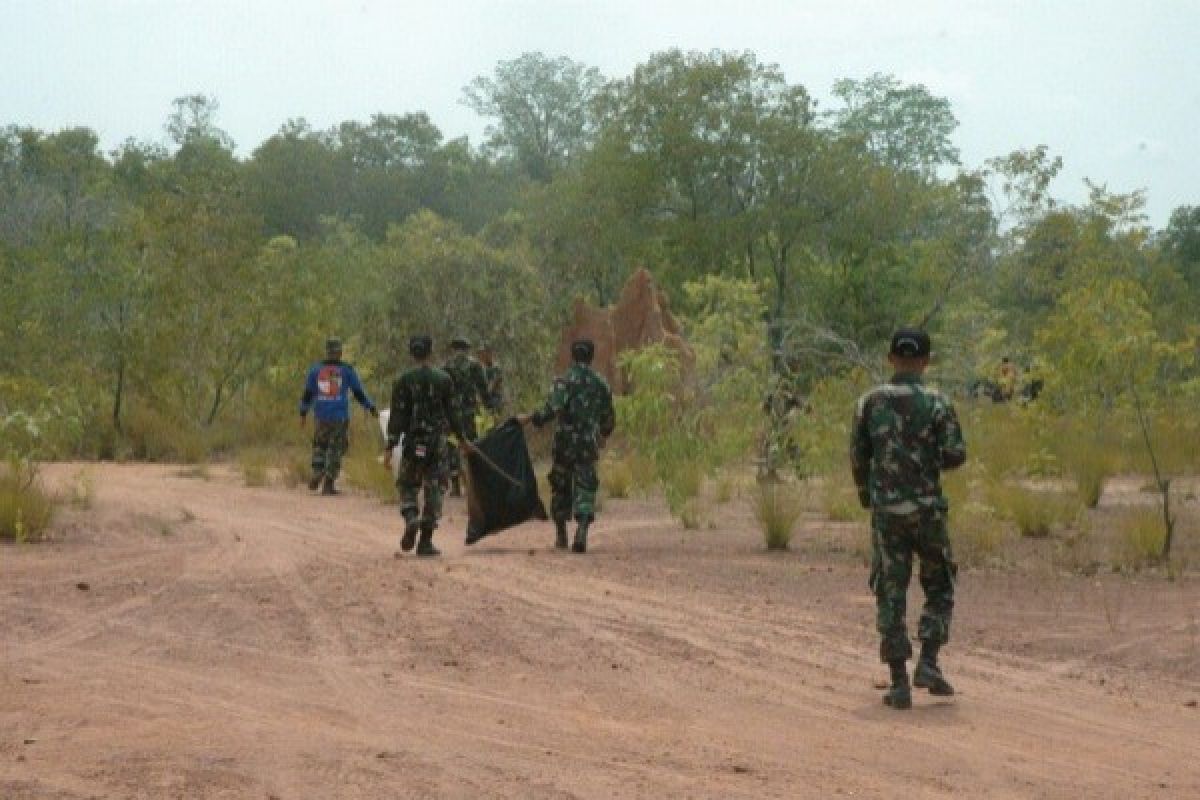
pixel 494 376
pixel 470 389
pixel 581 403
pixel 423 409
pixel 904 434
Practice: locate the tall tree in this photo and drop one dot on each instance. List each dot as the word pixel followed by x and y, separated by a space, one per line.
pixel 907 127
pixel 541 110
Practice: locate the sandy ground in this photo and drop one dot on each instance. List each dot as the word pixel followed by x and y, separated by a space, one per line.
pixel 194 638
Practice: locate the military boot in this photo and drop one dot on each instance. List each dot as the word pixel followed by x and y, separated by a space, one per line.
pixel 560 534
pixel 314 482
pixel 410 532
pixel 327 487
pixel 928 675
pixel 899 696
pixel 581 534
pixel 425 547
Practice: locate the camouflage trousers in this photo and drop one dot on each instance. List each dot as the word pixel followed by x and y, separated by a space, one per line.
pixel 329 444
pixel 573 485
pixel 895 539
pixel 453 457
pixel 422 473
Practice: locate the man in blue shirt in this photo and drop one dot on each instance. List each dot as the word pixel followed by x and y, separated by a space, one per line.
pixel 327 393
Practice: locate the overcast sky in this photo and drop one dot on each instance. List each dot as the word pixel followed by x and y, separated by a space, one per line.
pixel 1110 85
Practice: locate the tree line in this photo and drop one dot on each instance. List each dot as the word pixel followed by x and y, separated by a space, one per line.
pixel 180 286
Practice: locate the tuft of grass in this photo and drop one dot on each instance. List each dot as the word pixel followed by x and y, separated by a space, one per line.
pixel 254 463
pixel 198 471
pixel 724 488
pixel 83 490
pixel 681 484
pixel 777 509
pixel 691 515
pixel 1140 537
pixel 295 469
pixel 840 502
pixel 363 470
pixel 26 508
pixel 1035 512
pixel 975 534
pixel 154 436
pixel 616 477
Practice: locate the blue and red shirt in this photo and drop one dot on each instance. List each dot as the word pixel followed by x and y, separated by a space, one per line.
pixel 327 391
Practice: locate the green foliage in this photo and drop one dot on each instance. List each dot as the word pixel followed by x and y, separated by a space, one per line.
pixel 26 508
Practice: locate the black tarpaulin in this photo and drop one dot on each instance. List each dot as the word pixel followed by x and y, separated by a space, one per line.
pixel 501 486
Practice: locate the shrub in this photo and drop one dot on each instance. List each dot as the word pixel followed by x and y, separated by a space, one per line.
pixel 840 502
pixel 154 436
pixel 975 535
pixel 295 469
pixel 616 476
pixel 26 508
pixel 363 470
pixel 1140 538
pixel 777 509
pixel 254 463
pixel 1034 511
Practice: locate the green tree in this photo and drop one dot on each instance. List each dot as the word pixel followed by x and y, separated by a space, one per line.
pixel 542 110
pixel 906 127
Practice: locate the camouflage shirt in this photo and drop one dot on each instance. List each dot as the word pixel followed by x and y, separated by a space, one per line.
pixel 904 435
pixel 423 405
pixel 470 383
pixel 581 404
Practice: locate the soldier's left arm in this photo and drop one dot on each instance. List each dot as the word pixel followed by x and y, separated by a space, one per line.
pixel 952 448
pixel 860 452
pixel 359 393
pixel 608 417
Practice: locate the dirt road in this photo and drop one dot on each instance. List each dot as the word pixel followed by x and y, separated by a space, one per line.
pixel 190 637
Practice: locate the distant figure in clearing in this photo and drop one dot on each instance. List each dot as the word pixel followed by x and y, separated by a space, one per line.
pixel 327 392
pixel 904 434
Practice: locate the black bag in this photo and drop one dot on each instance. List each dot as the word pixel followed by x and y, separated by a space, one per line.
pixel 502 489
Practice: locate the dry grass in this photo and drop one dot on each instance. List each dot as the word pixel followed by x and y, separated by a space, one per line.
pixel 616 476
pixel 777 508
pixel 254 464
pixel 26 507
pixel 1139 538
pixel 1036 512
pixel 362 469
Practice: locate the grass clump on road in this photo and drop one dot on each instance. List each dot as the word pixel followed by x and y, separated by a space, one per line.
pixel 777 509
pixel 26 508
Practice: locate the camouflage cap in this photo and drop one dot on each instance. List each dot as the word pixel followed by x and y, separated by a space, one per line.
pixel 460 343
pixel 910 343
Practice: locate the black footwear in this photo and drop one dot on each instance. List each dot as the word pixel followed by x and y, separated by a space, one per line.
pixel 898 697
pixel 425 546
pixel 560 534
pixel 314 482
pixel 581 533
pixel 410 535
pixel 928 675
pixel 327 486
